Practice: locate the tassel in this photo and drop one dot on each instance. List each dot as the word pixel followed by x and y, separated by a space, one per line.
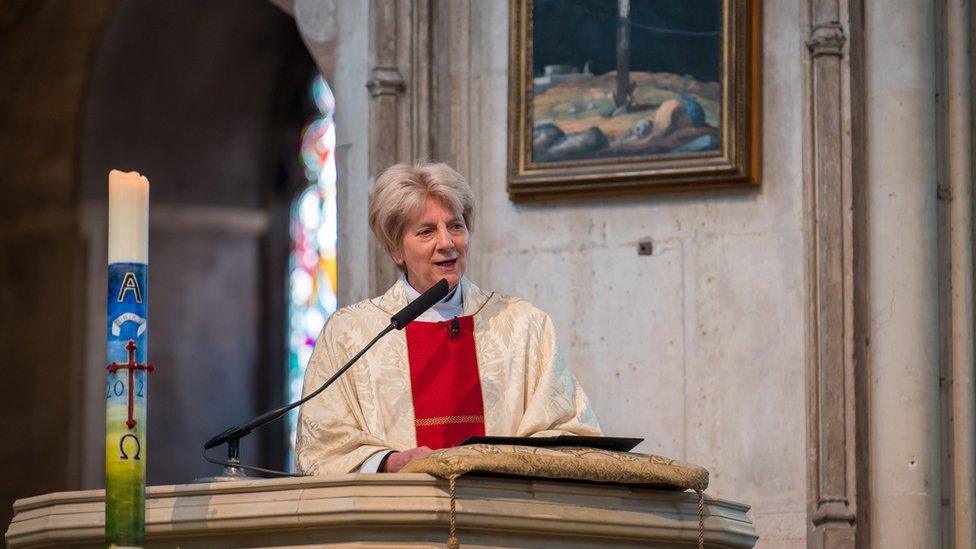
pixel 701 519
pixel 452 540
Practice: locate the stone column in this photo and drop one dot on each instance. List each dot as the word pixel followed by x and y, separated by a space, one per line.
pixel 836 284
pixel 336 34
pixel 903 352
pixel 399 100
pixel 386 86
pixel 958 147
pixel 378 58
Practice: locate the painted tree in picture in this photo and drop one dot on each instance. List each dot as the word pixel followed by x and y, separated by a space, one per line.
pixel 625 87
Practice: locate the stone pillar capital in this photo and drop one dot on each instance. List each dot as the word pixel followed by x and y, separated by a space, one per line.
pixel 385 81
pixel 827 39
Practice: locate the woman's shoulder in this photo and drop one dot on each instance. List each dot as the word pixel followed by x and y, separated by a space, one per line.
pixel 502 303
pixel 360 314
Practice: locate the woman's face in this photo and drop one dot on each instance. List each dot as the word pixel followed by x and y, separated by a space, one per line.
pixel 434 246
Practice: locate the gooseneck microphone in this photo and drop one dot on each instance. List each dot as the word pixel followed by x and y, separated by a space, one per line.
pixel 399 321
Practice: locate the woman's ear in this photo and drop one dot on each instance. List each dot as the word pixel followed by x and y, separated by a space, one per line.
pixel 397 256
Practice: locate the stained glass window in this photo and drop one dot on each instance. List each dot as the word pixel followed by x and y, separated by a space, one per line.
pixel 312 263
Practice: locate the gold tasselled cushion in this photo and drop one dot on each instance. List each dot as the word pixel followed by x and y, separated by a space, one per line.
pixel 571 463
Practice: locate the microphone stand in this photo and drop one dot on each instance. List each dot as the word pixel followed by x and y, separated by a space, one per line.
pixel 233 468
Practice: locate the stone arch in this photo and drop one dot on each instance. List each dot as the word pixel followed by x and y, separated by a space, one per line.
pixel 207 100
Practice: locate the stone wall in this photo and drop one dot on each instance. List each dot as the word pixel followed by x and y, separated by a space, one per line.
pixel 698 348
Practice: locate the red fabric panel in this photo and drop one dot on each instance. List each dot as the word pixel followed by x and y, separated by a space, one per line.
pixel 445 383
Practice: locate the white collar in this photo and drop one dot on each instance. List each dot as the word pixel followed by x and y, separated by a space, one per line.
pixel 451 306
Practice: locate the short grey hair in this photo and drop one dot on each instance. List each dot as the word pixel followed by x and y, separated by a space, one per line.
pixel 401 192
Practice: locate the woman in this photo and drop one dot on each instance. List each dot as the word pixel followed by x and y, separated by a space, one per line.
pixel 476 363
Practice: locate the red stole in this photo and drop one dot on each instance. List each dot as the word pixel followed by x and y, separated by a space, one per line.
pixel 445 383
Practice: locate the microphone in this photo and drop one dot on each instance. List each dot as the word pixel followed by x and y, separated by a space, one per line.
pixel 416 307
pixel 399 321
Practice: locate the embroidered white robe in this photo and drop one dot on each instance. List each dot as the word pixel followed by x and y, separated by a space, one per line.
pixel 527 389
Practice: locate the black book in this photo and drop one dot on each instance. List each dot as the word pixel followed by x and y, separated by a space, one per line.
pixel 616 444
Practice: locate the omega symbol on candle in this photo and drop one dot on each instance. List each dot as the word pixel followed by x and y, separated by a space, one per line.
pixel 129 284
pixel 124 456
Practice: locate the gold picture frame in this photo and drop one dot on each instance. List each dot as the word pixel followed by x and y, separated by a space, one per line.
pixel 583 131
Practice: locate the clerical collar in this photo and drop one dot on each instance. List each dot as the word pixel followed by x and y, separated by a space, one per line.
pixel 445 309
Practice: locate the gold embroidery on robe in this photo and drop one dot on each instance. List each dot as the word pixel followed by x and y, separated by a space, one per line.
pixel 447 420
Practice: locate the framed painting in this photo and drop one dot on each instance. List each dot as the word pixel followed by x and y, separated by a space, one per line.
pixel 611 96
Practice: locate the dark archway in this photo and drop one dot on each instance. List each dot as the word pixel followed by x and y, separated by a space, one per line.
pixel 207 100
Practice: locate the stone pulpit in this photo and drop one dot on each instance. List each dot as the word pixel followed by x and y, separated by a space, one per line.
pixel 393 510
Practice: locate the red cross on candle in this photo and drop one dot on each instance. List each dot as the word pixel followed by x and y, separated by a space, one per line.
pixel 132 366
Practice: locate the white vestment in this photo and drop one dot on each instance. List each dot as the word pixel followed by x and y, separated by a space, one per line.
pixel 527 389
